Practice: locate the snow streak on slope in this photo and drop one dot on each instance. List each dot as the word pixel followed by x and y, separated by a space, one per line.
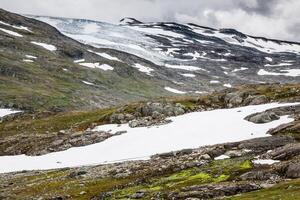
pixel 186 131
pixel 4 112
pixel 101 34
pixel 261 44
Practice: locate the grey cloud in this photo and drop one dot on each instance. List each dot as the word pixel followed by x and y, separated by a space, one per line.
pixel 261 7
pixel 269 18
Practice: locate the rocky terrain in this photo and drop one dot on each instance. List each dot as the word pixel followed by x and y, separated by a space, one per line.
pixel 259 168
pixel 70 76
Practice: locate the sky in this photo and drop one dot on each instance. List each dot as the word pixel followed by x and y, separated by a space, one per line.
pixel 279 19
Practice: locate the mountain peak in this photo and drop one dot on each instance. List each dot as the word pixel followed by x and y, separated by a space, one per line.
pixel 129 20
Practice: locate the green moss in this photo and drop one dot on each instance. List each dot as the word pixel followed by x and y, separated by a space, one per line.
pixel 284 191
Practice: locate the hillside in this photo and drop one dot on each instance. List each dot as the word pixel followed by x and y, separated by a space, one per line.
pixel 38 70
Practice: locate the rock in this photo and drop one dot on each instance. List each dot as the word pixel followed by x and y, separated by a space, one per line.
pixel 284 153
pixel 205 157
pixel 77 173
pixel 234 153
pixel 137 195
pixel 117 118
pixel 259 175
pixel 235 101
pixel 261 118
pixel 266 143
pixel 293 170
pixel 257 100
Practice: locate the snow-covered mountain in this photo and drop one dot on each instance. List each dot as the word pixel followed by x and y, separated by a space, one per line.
pixel 195 58
pixel 100 64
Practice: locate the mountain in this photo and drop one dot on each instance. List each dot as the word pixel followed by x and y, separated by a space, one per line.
pixel 39 70
pixel 64 136
pixel 196 59
pixel 103 64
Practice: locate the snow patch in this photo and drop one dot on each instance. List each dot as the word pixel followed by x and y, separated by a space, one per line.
pixel 189 75
pixel 221 157
pixel 269 59
pixel 49 47
pixel 174 90
pixel 227 85
pixel 278 65
pixel 186 131
pixel 28 60
pixel 104 67
pixel 11 32
pixel 143 69
pixel 88 83
pixel 265 161
pixel 15 27
pixel 4 112
pixel 240 69
pixel 286 72
pixel 30 57
pixel 79 60
pixel 214 82
pixel 184 67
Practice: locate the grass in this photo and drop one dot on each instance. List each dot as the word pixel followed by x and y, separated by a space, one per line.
pixel 214 172
pixel 289 190
pixel 76 121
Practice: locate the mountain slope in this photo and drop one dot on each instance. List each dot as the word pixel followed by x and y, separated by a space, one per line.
pixel 42 69
pixel 197 59
pixel 37 70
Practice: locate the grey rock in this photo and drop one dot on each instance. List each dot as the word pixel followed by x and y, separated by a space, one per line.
pixel 261 118
pixel 293 170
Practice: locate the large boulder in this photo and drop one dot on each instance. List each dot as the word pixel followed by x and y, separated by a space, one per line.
pixel 256 100
pixel 263 117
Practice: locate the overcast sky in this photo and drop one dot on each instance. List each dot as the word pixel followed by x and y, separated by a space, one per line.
pixel 270 18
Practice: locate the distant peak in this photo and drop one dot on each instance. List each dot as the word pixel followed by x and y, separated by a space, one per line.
pixel 129 20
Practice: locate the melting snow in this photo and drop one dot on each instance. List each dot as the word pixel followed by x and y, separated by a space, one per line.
pixel 184 67
pixel 107 56
pixel 143 69
pixel 79 60
pixel 190 130
pixel 30 57
pixel 287 72
pixel 227 85
pixel 174 90
pixel 265 162
pixel 28 60
pixel 4 112
pixel 11 32
pixel 278 65
pixel 88 83
pixel 222 157
pixel 49 47
pixel 104 67
pixel 189 75
pixel 214 82
pixel 16 27
pixel 240 69
pixel 269 59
